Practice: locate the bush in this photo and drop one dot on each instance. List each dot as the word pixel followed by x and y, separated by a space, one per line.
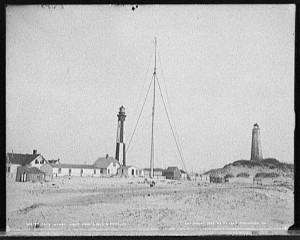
pixel 260 175
pixel 267 175
pixel 228 176
pixel 272 175
pixel 271 161
pixel 243 174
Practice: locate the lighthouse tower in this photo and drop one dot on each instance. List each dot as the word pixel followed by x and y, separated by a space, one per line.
pixel 256 153
pixel 120 135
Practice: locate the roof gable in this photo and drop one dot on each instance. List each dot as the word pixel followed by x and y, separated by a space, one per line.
pixel 154 169
pixel 127 167
pixel 105 162
pixel 22 159
pixel 172 169
pixel 81 166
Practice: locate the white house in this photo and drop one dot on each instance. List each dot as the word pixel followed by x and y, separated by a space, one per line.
pixel 128 171
pixel 107 166
pixel 15 160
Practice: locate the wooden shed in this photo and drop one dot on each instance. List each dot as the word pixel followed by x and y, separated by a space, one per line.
pixel 172 173
pixel 27 173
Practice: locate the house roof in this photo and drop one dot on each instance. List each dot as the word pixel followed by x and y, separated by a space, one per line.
pixel 126 167
pixel 154 169
pixel 22 159
pixel 27 169
pixel 53 161
pixel 82 166
pixel 171 169
pixel 104 162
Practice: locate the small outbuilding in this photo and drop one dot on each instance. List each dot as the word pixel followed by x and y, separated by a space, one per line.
pixel 183 175
pixel 157 172
pixel 27 173
pixel 107 165
pixel 172 173
pixel 128 171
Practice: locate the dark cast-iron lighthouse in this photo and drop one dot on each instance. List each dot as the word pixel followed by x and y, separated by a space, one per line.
pixel 256 152
pixel 120 135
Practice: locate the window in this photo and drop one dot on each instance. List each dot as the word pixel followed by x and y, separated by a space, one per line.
pixel 132 172
pixel 122 171
pixel 36 161
pixel 59 170
pixel 101 170
pixel 8 169
pixel 108 171
pixel 70 171
pixel 94 171
pixel 42 162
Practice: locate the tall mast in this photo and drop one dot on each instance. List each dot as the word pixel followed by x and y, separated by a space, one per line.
pixel 152 135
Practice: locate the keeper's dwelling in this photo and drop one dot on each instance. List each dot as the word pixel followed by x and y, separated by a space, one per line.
pixel 15 160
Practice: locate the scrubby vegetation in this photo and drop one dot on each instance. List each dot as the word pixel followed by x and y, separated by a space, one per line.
pixel 247 163
pixel 243 175
pixel 265 165
pixel 267 175
pixel 228 176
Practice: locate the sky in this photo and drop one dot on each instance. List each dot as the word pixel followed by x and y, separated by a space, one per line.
pixel 221 68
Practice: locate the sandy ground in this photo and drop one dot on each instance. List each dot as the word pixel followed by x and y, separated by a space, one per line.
pixel 100 206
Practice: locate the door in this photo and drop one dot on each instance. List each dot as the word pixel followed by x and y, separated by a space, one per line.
pixel 24 177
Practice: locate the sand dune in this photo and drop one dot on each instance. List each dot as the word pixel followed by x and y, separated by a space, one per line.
pixel 99 206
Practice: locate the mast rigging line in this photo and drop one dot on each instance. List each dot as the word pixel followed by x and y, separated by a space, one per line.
pixel 139 115
pixel 140 96
pixel 163 77
pixel 171 126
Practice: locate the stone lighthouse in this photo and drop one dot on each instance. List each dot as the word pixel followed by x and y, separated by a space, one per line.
pixel 120 135
pixel 256 153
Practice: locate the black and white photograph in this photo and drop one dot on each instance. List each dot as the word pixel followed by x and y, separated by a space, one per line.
pixel 150 119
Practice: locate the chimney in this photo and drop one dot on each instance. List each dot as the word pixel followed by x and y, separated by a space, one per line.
pixel 34 151
pixel 106 155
